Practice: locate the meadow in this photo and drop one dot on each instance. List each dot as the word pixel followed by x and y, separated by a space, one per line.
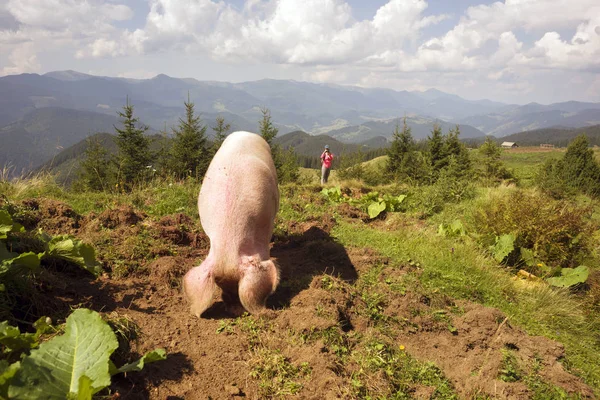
pixel 387 291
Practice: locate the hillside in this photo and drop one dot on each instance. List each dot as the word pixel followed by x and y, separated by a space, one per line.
pixel 43 133
pixel 308 145
pixel 420 129
pixel 559 137
pixel 65 165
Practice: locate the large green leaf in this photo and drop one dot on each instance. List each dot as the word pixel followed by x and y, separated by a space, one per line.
pixel 8 225
pixel 376 208
pixel 54 370
pixel 75 251
pixel 5 254
pixel 26 261
pixel 149 357
pixel 505 245
pixel 7 372
pixel 570 277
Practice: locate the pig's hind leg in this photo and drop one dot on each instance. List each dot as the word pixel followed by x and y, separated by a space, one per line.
pixel 199 286
pixel 259 280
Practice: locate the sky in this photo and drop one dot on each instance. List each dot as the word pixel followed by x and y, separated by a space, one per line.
pixel 514 51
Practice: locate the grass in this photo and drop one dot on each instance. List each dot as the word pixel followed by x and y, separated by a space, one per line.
pixel 387 371
pixel 458 269
pixel 455 267
pixel 157 198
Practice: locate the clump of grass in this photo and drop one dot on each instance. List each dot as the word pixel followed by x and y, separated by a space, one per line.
pixel 276 374
pixel 387 371
pixel 509 368
pixel 127 331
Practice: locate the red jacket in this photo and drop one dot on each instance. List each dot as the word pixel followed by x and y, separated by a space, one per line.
pixel 326 159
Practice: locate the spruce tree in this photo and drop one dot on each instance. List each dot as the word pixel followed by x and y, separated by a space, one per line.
pixel 435 145
pixel 457 155
pixel 221 130
pixel 579 169
pixel 134 148
pixel 95 168
pixel 266 128
pixel 189 155
pixel 492 165
pixel 286 162
pixel 402 144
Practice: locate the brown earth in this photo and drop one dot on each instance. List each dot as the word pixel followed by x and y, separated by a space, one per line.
pixel 320 292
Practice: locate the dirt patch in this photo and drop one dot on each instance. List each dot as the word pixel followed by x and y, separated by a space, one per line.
pixel 332 302
pixel 350 211
pixel 121 216
pixel 169 270
pixel 179 229
pixel 52 216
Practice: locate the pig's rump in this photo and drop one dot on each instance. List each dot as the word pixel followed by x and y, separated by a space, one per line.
pixel 238 202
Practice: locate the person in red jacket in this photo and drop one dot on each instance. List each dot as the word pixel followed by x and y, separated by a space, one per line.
pixel 326 159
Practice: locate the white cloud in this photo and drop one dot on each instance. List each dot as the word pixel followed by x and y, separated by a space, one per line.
pixel 501 45
pixel 23 59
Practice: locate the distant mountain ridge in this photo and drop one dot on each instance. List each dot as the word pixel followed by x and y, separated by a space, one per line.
pixel 514 119
pixel 346 113
pixel 294 105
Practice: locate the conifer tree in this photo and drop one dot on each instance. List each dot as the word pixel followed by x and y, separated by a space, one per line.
pixel 579 169
pixel 189 155
pixel 134 148
pixel 492 165
pixel 266 128
pixel 435 144
pixel 221 130
pixel 457 155
pixel 94 172
pixel 402 144
pixel 286 162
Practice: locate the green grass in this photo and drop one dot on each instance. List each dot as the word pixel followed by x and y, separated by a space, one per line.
pixel 156 198
pixel 525 165
pixel 458 269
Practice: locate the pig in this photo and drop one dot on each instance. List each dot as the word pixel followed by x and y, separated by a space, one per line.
pixel 238 201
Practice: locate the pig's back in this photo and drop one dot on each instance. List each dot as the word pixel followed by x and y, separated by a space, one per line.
pixel 239 196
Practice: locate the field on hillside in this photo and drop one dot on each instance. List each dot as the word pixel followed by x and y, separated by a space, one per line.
pixel 412 303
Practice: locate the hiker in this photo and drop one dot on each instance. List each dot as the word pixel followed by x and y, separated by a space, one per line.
pixel 326 159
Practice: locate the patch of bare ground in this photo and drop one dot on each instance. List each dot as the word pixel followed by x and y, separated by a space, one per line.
pixel 314 340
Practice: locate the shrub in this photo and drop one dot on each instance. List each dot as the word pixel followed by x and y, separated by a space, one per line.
pixel 577 171
pixel 351 166
pixel 556 231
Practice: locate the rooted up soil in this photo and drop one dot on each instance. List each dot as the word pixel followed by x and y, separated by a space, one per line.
pixel 323 294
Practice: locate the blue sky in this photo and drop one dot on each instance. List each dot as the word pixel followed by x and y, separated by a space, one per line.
pixel 514 51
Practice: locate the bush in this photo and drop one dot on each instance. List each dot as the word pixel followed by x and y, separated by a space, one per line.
pixel 351 166
pixel 557 232
pixel 577 171
pixel 429 200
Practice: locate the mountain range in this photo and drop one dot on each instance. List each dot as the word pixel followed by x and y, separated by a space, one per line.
pixel 40 114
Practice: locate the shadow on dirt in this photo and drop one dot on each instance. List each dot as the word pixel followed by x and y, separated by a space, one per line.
pixel 303 256
pixel 59 291
pixel 137 385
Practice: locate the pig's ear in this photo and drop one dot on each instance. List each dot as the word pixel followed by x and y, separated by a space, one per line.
pixel 258 282
pixel 199 287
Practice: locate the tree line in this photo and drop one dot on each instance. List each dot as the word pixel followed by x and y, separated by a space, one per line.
pixel 186 155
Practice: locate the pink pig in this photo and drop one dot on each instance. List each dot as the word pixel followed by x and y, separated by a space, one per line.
pixel 238 202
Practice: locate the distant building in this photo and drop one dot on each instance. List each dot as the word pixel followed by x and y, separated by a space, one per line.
pixel 547 146
pixel 509 145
